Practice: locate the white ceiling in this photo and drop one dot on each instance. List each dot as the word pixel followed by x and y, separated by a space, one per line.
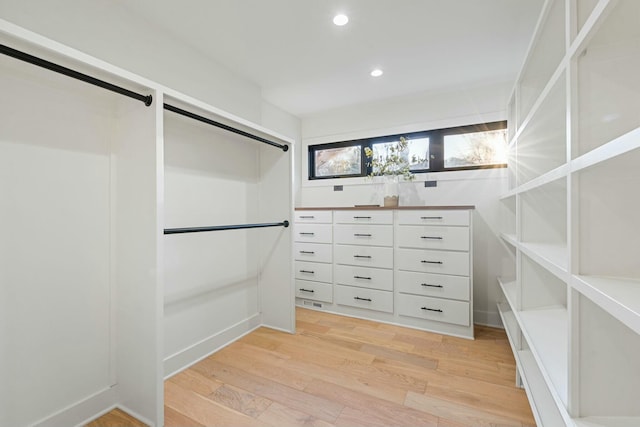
pixel 305 64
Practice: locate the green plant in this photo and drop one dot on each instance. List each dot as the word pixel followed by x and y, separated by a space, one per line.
pixel 394 162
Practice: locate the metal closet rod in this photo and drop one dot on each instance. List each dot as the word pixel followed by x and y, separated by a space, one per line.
pixel 22 56
pixel 284 223
pixel 194 116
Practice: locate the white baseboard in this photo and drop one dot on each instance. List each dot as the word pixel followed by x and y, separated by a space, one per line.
pixel 487 318
pixel 183 359
pixel 83 411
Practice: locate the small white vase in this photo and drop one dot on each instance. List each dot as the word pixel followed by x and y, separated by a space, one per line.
pixel 391 192
pixel 391 201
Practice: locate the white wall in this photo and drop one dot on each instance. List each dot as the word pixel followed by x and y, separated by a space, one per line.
pixel 422 112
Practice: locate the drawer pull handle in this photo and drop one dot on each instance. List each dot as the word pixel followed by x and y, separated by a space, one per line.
pixel 431 309
pixel 307 271
pixel 307 252
pixel 362 277
pixel 430 262
pixel 307 216
pixel 361 217
pixel 361 235
pixel 307 234
pixel 307 290
pixel 431 286
pixel 430 217
pixel 362 256
pixel 431 237
pixel 362 299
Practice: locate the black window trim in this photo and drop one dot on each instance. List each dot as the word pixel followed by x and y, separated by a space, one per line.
pixel 436 149
pixel 342 144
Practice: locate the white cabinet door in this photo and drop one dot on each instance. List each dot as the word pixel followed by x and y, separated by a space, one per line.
pixel 370 299
pixel 316 252
pixel 430 261
pixel 363 217
pixel 366 277
pixel 313 233
pixel 368 235
pixel 430 237
pixel 440 309
pixel 365 256
pixel 433 217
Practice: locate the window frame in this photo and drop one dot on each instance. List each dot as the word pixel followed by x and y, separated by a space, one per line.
pixel 436 149
pixel 312 158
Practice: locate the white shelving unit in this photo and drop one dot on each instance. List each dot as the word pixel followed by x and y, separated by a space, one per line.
pixel 97 304
pixel 570 298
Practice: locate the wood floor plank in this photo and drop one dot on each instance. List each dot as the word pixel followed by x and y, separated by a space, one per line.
pixel 367 339
pixel 401 356
pixel 378 410
pixel 373 382
pixel 252 361
pixel 456 412
pixel 116 418
pixel 195 381
pixel 304 344
pixel 203 410
pixel 173 418
pixel 443 422
pixel 476 369
pixel 511 408
pixel 417 333
pixel 240 400
pixel 318 407
pixel 281 415
pixel 301 325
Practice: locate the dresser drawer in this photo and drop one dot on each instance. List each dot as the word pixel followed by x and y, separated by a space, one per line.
pixel 316 291
pixel 434 217
pixel 441 310
pixel 429 261
pixel 314 271
pixel 370 299
pixel 363 217
pixel 368 235
pixel 313 233
pixel 366 277
pixel 433 285
pixel 317 252
pixel 368 256
pixel 314 217
pixel 433 237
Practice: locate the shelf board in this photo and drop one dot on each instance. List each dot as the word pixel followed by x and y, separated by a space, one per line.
pixel 619 297
pixel 509 288
pixel 510 239
pixel 546 331
pixel 510 326
pixel 621 145
pixel 553 257
pixel 553 175
pixel 607 422
pixel 509 194
pixel 545 410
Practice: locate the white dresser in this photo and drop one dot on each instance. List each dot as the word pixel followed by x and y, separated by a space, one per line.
pixel 313 254
pixel 433 268
pixel 411 266
pixel 363 262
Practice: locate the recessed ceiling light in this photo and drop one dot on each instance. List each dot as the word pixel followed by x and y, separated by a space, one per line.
pixel 376 73
pixel 340 20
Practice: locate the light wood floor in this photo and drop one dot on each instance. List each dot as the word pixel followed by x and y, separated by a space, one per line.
pixel 349 372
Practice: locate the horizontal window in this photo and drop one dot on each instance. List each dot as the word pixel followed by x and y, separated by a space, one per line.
pixel 460 148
